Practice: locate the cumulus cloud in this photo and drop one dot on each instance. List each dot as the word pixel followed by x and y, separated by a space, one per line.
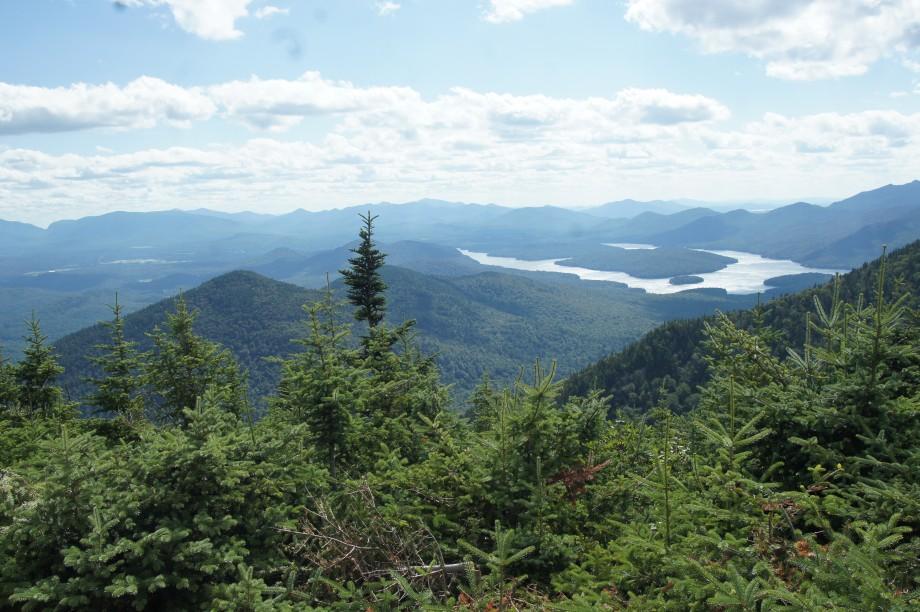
pixel 210 19
pixel 278 104
pixel 503 11
pixel 144 102
pixel 799 39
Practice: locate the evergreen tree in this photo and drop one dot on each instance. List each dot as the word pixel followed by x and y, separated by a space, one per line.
pixel 320 387
pixel 160 523
pixel 9 389
pixel 182 366
pixel 365 286
pixel 36 373
pixel 118 390
pixel 482 404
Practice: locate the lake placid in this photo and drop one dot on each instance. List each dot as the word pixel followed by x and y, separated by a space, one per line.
pixel 745 276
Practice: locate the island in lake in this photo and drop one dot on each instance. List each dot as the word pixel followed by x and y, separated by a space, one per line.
pixel 686 279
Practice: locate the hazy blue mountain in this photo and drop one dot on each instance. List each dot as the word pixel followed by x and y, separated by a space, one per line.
pixel 14 236
pixel 649 224
pixel 246 216
pixel 705 231
pixel 867 242
pixel 843 235
pixel 421 220
pixel 627 209
pixel 552 219
pixel 310 270
pixel 139 229
pixel 889 197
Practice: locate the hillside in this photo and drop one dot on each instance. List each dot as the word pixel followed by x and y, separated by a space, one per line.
pixel 851 230
pixel 490 322
pixel 255 317
pixel 672 355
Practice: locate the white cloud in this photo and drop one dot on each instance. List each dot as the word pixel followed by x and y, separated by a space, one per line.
pixel 144 102
pixel 799 39
pixel 391 143
pixel 503 11
pixel 210 19
pixel 278 104
pixel 385 8
pixel 268 11
pixel 147 101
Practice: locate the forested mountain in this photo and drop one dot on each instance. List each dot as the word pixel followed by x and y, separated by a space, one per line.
pixel 650 263
pixel 668 364
pixel 487 323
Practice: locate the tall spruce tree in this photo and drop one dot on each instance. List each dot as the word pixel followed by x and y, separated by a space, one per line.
pixel 118 390
pixel 182 366
pixel 365 286
pixel 36 373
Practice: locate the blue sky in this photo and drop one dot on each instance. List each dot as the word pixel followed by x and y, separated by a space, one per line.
pixel 270 106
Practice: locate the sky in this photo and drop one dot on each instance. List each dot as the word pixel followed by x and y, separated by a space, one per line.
pixel 272 105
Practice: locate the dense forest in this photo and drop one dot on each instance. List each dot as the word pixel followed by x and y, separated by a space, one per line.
pixel 483 323
pixel 792 482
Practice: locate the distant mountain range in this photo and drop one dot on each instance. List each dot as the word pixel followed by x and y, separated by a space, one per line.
pixel 68 272
pixel 842 235
pixel 627 209
pixel 850 230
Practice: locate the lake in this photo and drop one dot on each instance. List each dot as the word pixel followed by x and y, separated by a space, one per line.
pixel 746 276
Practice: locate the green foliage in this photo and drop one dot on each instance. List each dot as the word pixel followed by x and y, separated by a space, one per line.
pixel 362 277
pixel 157 523
pixel 36 375
pixel 182 366
pixel 118 391
pixel 320 387
pixel 476 324
pixel 9 386
pixel 498 562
